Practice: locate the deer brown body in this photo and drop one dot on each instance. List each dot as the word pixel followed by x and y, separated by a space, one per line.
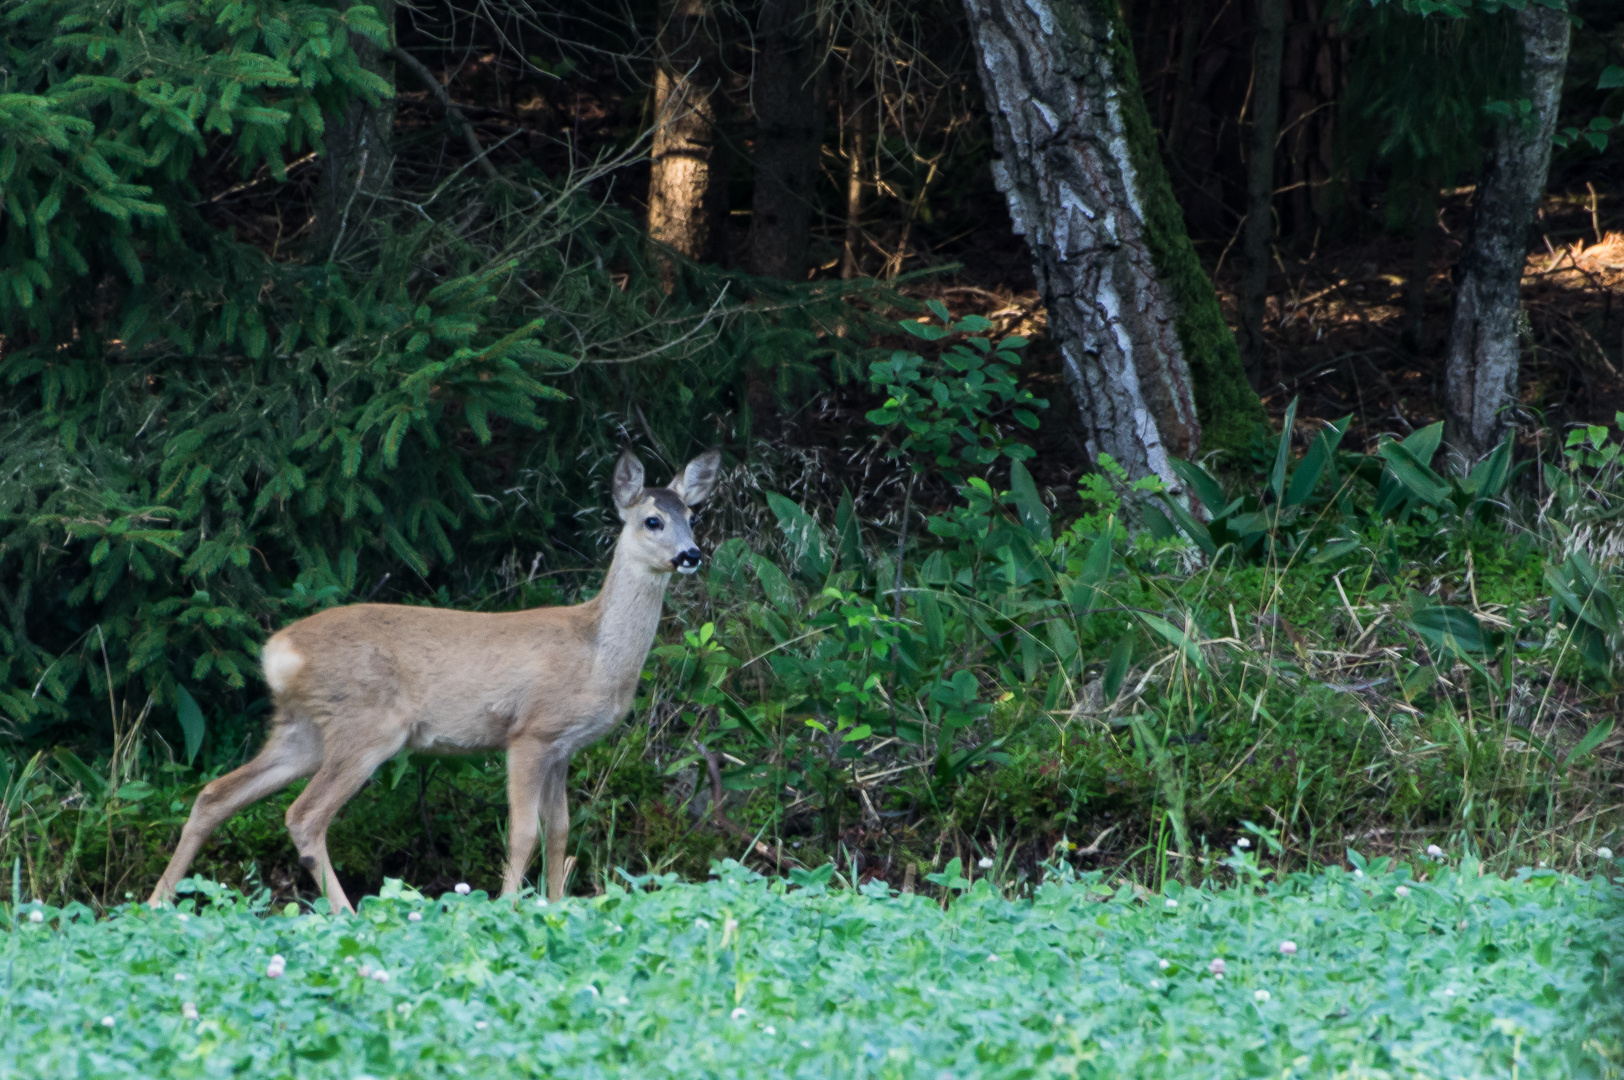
pixel 353 686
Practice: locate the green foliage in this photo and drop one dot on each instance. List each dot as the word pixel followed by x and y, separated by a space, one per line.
pixel 743 977
pixel 1421 78
pixel 957 398
pixel 109 110
pixel 1283 519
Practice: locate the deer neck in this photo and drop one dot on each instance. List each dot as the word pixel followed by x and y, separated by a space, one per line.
pixel 628 610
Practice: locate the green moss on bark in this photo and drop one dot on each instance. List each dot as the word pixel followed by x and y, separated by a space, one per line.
pixel 1225 403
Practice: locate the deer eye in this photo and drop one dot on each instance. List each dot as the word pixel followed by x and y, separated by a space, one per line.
pixel 654 524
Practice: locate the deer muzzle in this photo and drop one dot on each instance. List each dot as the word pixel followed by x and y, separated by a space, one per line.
pixel 686 562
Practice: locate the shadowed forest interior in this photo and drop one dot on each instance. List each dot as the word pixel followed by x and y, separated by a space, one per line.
pixel 1128 439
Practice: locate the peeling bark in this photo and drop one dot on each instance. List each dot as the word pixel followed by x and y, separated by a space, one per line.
pixel 1481 369
pixel 687 175
pixel 1097 213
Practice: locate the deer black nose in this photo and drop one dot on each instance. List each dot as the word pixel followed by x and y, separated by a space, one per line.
pixel 688 560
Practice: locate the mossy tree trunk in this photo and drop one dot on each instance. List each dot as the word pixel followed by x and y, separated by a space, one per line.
pixel 1480 373
pixel 1145 347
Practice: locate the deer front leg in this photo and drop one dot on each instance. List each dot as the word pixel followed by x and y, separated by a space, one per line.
pixel 555 809
pixel 526 761
pixel 338 779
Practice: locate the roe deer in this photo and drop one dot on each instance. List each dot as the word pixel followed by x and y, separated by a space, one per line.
pixel 353 685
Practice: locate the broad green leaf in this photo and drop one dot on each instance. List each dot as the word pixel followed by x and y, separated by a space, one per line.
pixel 1453 630
pixel 191 721
pixel 1028 503
pixel 1597 735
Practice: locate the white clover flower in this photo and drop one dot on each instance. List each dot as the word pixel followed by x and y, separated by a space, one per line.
pixel 279 960
pixel 623 1000
pixel 1288 948
pixel 183 917
pixel 1402 891
pixel 36 916
pixel 481 1025
pixel 1449 991
pixel 1219 977
pixel 1260 996
pixel 1604 853
pixel 1164 964
pixel 1170 903
pixel 1434 851
pixel 462 888
pixel 701 924
pixel 380 976
pixel 1155 984
pixel 107 1021
pixel 1243 842
pixel 277 967
pixel 541 901
pixel 403 1008
pixel 1217 967
pixel 985 862
pixel 768 1029
pixel 416 916
pixel 992 958
pixel 188 1011
pixel 180 976
pixel 366 971
pixel 740 1013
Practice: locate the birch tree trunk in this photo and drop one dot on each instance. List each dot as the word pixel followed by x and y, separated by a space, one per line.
pixel 1144 345
pixel 787 91
pixel 1481 369
pixel 687 190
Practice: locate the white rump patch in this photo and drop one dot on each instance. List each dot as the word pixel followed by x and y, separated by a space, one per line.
pixel 281 663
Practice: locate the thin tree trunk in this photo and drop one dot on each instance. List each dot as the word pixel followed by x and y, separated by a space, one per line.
pixel 1481 369
pixel 787 91
pixel 1271 39
pixel 1128 303
pixel 1184 80
pixel 856 109
pixel 358 167
pixel 687 189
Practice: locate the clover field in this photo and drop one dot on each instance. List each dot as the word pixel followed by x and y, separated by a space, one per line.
pixel 1462 974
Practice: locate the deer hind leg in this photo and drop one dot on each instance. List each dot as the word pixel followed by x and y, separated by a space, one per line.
pixel 526 764
pixel 338 779
pixel 555 812
pixel 292 751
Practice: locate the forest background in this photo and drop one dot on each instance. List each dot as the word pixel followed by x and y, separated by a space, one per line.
pixel 310 303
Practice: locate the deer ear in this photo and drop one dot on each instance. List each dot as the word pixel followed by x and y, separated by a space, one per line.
pixel 694 484
pixel 628 482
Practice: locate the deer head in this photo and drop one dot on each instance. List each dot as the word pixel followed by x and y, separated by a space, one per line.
pixel 657 532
